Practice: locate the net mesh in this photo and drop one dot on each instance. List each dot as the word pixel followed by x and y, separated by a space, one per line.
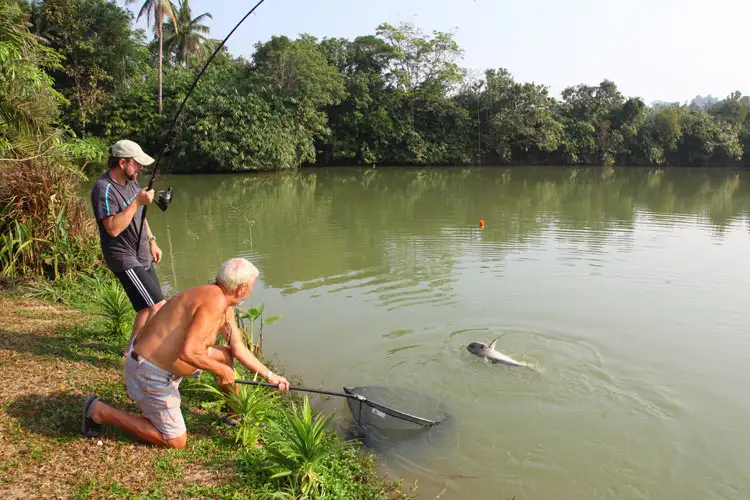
pixel 389 408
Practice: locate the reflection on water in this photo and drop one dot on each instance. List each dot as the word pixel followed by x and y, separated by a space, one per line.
pixel 355 223
pixel 624 286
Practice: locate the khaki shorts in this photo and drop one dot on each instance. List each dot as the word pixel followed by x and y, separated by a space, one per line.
pixel 156 391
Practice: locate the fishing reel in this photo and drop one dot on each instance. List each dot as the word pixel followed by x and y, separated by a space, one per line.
pixel 165 198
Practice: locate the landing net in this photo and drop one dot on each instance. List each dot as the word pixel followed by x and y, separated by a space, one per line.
pixel 389 408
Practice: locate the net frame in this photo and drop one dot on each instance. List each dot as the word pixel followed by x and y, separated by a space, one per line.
pixel 382 410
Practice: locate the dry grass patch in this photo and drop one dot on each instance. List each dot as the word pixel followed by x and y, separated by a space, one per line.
pixel 22 315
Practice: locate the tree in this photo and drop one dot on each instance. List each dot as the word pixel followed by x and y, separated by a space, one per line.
pixel 419 62
pixel 520 116
pixel 187 38
pixel 99 47
pixel 28 101
pixel 705 141
pixel 361 125
pixel 156 11
pixel 587 112
pixel 300 75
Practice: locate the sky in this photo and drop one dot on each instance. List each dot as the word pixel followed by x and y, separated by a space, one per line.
pixel 666 50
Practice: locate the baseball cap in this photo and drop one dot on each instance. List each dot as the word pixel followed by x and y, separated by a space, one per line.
pixel 128 149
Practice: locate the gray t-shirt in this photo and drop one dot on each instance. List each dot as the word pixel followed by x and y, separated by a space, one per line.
pixel 108 197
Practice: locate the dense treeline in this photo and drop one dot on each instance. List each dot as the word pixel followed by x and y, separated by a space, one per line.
pixel 397 96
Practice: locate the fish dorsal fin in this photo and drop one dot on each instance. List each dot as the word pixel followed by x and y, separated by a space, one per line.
pixel 492 344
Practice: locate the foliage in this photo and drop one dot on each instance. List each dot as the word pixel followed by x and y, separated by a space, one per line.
pixel 397 96
pixel 96 40
pixel 300 81
pixel 250 405
pixel 298 445
pixel 419 62
pixel 46 229
pixel 116 309
pixel 28 101
pixel 521 116
pixel 185 36
pixel 225 130
pixel 246 322
pixel 78 290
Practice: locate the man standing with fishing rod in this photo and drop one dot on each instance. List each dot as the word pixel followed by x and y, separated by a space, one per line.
pixel 122 239
pixel 129 247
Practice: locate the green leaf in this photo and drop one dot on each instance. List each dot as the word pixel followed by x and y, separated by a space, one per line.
pixel 281 474
pixel 271 320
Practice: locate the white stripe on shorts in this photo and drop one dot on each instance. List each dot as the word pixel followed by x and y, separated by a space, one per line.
pixel 139 285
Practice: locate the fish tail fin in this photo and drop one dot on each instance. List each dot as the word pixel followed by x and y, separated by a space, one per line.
pixel 494 342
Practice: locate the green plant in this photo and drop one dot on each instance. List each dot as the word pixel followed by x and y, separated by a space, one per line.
pixel 16 254
pixel 250 316
pixel 116 309
pixel 298 446
pixel 45 227
pixel 252 404
pixel 78 290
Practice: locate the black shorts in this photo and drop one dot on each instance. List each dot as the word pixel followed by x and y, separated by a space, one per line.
pixel 142 287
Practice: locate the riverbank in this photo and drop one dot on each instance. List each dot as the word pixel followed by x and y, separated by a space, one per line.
pixel 52 355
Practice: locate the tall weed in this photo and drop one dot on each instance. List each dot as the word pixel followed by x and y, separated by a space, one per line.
pixel 116 309
pixel 45 228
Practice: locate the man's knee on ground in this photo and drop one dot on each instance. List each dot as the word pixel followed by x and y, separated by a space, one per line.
pixel 177 443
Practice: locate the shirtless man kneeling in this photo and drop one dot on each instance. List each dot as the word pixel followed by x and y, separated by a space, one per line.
pixel 175 343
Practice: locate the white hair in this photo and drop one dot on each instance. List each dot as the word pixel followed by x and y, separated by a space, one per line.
pixel 235 272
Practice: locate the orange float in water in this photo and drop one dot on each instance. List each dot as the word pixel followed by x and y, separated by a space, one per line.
pixel 481 222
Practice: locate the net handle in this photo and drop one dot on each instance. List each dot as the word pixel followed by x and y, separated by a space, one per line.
pixel 305 389
pixel 395 413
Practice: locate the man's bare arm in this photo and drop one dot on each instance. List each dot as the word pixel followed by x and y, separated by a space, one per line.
pixel 241 353
pixel 239 350
pixel 195 349
pixel 115 224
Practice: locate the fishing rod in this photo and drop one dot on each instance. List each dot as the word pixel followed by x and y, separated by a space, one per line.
pixel 165 196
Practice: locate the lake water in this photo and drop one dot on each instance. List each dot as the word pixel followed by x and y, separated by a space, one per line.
pixel 625 288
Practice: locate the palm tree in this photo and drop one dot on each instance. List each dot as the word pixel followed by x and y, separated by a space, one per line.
pixel 187 38
pixel 155 11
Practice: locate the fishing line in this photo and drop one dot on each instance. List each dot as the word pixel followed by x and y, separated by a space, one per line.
pixel 165 197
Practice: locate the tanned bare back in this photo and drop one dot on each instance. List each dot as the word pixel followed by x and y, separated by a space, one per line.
pixel 199 314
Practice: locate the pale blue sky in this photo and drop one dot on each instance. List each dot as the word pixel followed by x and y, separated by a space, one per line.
pixel 668 50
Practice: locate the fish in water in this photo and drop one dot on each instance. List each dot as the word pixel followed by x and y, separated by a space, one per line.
pixel 489 353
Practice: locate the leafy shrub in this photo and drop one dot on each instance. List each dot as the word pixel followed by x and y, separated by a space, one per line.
pixel 252 404
pixel 45 228
pixel 116 309
pixel 297 446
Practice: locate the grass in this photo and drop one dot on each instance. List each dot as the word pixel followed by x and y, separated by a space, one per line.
pixel 52 355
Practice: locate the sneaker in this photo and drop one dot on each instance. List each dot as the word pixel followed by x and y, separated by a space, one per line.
pixel 89 428
pixel 231 420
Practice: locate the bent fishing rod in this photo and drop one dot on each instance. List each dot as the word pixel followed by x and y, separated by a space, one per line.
pixel 165 197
